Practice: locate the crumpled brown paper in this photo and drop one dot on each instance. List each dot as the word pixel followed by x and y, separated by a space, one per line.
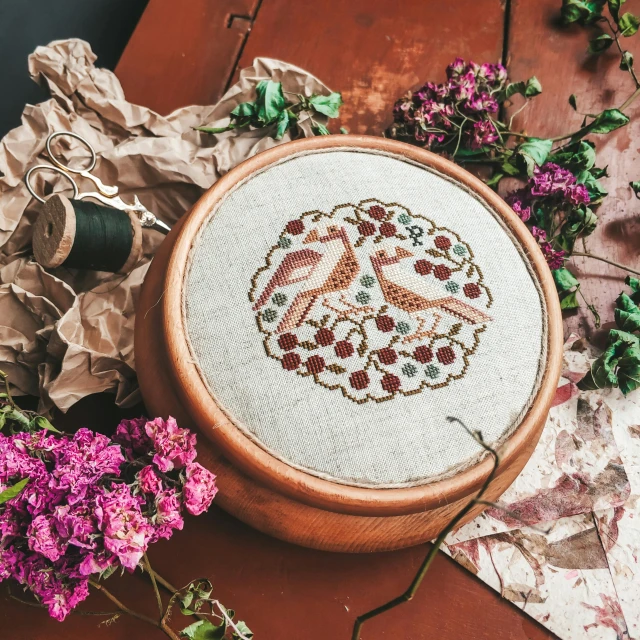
pixel 65 334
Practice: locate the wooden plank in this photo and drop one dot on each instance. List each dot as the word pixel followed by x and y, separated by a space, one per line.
pixel 558 57
pixel 184 53
pixel 373 52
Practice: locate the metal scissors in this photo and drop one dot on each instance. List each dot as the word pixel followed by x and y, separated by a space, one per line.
pixel 106 194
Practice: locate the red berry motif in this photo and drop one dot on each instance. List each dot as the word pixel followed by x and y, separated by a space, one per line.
pixel 315 364
pixel 366 228
pixel 442 272
pixel 287 341
pixel 359 379
pixel 446 355
pixel 442 242
pixel 385 323
pixel 390 382
pixel 377 212
pixel 423 267
pixel 387 356
pixel 388 229
pixel 325 337
pixel 471 290
pixel 344 349
pixel 295 227
pixel 291 361
pixel 423 354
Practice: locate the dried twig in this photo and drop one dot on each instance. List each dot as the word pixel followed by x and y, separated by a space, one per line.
pixel 426 563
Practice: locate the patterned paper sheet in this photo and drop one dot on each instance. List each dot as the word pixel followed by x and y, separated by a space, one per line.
pixel 565 547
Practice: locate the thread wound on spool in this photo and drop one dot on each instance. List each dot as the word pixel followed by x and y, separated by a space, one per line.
pixel 84 235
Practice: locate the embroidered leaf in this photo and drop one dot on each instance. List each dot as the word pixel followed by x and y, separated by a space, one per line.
pixel 328 105
pixel 533 153
pixel 309 346
pixel 336 368
pixel 270 100
pixel 13 491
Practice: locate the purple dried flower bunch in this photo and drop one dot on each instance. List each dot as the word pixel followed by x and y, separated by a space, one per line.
pixel 455 115
pixel 77 508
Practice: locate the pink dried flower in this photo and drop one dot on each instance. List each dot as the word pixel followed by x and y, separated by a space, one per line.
pixel 149 481
pixel 539 234
pixel 44 539
pixel 131 434
pixel 199 490
pixel 174 447
pixel 167 516
pixel 482 134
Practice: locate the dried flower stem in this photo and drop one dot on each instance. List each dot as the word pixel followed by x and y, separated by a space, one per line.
pixel 426 563
pixel 152 575
pixel 7 390
pixel 582 254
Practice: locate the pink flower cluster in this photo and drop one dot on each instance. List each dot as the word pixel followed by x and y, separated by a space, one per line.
pixel 550 187
pixel 434 114
pixel 93 504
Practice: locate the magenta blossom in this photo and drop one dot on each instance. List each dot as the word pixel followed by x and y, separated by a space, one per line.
pixel 200 489
pixel 131 434
pixel 482 134
pixel 168 515
pixel 175 447
pixel 149 481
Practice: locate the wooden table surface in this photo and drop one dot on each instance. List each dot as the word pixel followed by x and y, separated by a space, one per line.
pixel 372 51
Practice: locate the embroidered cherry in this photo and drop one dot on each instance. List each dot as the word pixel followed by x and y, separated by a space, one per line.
pixel 359 379
pixel 390 382
pixel 423 267
pixel 387 356
pixel 388 229
pixel 385 323
pixel 291 361
pixel 367 228
pixel 377 212
pixel 446 355
pixel 471 290
pixel 325 337
pixel 442 242
pixel 423 354
pixel 442 272
pixel 288 341
pixel 344 349
pixel 295 227
pixel 315 364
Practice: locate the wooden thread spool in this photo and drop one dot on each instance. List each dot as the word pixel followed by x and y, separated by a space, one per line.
pixel 84 235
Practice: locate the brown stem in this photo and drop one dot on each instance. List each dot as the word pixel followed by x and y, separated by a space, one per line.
pixel 426 563
pixel 5 380
pixel 611 262
pixel 152 575
pixel 123 607
pixel 160 580
pixel 630 69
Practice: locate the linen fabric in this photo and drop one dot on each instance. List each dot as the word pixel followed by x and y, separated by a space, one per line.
pixel 270 246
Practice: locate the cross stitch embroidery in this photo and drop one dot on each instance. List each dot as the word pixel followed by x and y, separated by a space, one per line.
pixel 371 299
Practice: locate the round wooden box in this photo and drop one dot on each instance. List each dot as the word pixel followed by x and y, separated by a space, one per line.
pixel 317 317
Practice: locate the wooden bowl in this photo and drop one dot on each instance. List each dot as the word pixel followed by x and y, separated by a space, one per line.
pixel 339 447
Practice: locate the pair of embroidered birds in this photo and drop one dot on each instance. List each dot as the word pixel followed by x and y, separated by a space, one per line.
pixel 336 269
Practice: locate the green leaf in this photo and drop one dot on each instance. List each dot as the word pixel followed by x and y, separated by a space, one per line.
pixel 629 370
pixel 634 284
pixel 343 130
pixel 42 423
pixel 628 24
pixel 270 100
pixel 204 630
pixel 583 12
pixel 636 188
pixel 596 191
pixel 533 87
pixel 602 374
pixel 564 279
pixel 627 314
pixel 283 125
pixel 13 491
pixel 19 417
pixel 3 420
pixel 245 109
pixel 528 89
pixel 626 61
pixel 321 130
pixel 533 152
pixel 215 129
pixel 614 8
pixel 608 120
pixel 328 105
pixel 243 629
pixel 573 101
pixel 601 43
pixel 569 300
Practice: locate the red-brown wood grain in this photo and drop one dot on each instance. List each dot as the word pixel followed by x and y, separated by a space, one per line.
pixel 184 53
pixel 557 55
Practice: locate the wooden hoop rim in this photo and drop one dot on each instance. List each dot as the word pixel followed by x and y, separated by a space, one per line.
pixel 297 484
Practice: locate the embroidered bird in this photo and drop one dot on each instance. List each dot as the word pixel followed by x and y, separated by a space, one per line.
pixel 333 270
pixel 413 294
